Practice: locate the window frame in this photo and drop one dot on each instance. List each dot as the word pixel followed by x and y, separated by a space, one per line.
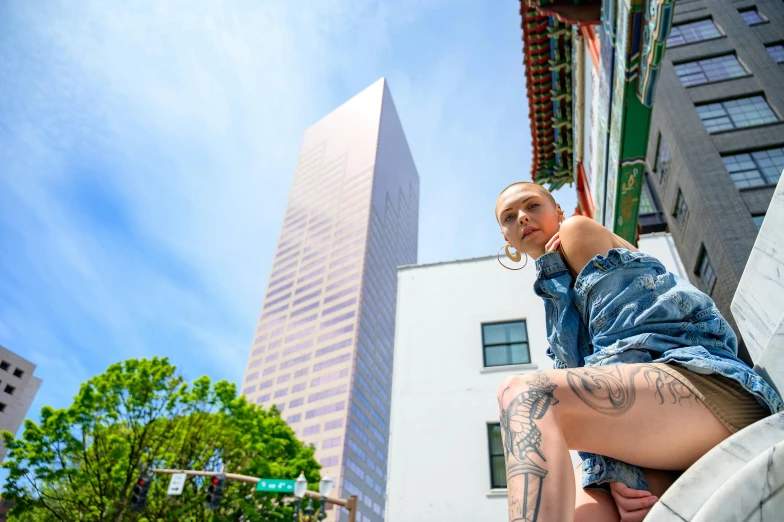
pixel 754 218
pixel 490 455
pixel 657 163
pixel 763 19
pixel 721 32
pixel 709 81
pixel 768 47
pixel 485 345
pixel 758 168
pixel 727 115
pixel 646 190
pixel 681 210
pixel 699 272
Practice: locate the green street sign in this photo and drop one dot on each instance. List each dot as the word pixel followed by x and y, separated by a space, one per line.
pixel 275 485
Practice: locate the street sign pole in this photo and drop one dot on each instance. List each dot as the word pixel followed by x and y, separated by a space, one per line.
pixel 350 504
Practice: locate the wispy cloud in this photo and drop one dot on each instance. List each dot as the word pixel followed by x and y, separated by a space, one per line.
pixel 148 149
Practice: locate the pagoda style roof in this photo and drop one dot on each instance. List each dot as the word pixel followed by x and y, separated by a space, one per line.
pixel 547 57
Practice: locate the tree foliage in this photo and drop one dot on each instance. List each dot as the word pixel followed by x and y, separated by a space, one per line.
pixel 82 462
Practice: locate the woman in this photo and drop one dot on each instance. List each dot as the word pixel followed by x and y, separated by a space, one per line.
pixel 647 377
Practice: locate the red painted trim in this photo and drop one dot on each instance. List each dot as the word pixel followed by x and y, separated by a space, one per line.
pixel 584 199
pixel 528 62
pixel 589 33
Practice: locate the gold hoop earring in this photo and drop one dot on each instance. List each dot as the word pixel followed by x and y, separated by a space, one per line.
pixel 516 257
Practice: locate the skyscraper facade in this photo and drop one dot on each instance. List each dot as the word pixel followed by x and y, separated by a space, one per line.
pixel 323 347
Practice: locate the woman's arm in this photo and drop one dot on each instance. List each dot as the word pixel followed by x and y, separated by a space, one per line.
pixel 582 239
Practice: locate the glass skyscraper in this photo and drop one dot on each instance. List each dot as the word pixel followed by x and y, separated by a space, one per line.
pixel 324 342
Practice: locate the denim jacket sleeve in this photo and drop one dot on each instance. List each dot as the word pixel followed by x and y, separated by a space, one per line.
pixel 569 343
pixel 566 334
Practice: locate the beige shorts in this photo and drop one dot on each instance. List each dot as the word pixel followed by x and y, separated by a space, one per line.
pixel 732 404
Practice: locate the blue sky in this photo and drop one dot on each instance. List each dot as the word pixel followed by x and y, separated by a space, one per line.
pixel 147 151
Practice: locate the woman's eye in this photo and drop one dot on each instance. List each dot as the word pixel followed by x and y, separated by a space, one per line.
pixel 507 218
pixel 533 205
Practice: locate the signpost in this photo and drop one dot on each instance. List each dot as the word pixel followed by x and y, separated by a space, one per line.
pixel 349 503
pixel 275 485
pixel 176 484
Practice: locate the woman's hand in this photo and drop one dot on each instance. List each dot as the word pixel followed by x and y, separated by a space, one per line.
pixel 633 504
pixel 553 244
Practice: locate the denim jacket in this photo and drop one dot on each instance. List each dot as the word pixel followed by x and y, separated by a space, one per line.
pixel 626 308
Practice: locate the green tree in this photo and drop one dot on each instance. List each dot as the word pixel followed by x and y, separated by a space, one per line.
pixel 82 462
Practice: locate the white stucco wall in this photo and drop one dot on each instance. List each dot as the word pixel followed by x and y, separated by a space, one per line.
pixel 442 397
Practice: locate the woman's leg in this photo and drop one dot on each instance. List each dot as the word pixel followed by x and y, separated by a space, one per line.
pixel 635 413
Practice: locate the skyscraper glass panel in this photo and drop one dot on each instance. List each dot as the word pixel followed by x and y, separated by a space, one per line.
pixel 324 341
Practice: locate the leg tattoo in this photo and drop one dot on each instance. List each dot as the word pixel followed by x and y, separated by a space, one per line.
pixel 522 440
pixel 608 390
pixel 661 382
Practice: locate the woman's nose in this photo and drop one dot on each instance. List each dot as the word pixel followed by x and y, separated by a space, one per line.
pixel 523 218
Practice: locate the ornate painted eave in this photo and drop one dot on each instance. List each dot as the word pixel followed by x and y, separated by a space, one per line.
pixel 625 40
pixel 548 74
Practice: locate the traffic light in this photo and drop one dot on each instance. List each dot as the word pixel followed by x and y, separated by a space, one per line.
pixel 215 491
pixel 139 496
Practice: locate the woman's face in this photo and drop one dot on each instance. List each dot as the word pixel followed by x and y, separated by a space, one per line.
pixel 528 217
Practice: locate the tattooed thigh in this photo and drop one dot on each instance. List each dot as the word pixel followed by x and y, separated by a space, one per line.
pixel 612 390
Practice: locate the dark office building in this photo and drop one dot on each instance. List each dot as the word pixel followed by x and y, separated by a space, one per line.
pixel 716 148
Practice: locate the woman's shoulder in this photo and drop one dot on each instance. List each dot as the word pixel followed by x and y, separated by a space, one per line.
pixel 583 225
pixel 582 239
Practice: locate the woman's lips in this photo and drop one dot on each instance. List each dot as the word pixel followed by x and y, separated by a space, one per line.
pixel 528 232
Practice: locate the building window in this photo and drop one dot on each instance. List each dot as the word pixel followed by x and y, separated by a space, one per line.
pixel 497 463
pixel 755 169
pixel 646 201
pixel 693 32
pixel 9 389
pixel 505 343
pixel 736 114
pixel 681 210
pixel 663 157
pixel 705 271
pixel 776 51
pixel 752 16
pixel 4 365
pixel 2 407
pixel 710 70
pixel 758 219
pixel 18 373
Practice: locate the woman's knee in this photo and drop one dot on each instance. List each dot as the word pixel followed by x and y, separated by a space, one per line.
pixel 508 388
pixel 530 390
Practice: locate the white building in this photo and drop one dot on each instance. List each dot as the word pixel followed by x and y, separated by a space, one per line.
pixel 458 325
pixel 18 387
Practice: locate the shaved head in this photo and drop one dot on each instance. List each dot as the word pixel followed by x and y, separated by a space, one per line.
pixel 546 193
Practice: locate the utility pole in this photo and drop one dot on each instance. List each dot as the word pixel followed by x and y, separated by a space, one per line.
pixel 350 503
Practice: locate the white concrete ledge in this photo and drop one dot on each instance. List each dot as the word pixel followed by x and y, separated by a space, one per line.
pixel 497 493
pixel 511 368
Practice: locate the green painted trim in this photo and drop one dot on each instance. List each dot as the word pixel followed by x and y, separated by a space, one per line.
pixel 628 200
pixel 633 147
